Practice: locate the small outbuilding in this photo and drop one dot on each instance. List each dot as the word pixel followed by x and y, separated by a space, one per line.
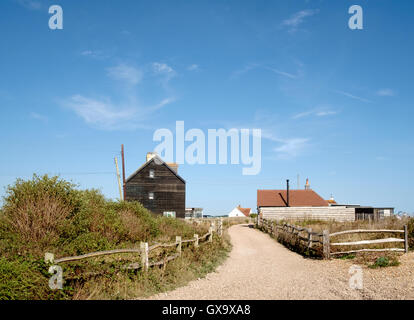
pixel 240 212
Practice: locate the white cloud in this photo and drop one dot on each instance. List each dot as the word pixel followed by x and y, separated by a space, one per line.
pixel 386 93
pixel 102 114
pixel 290 148
pixel 298 18
pixel 163 103
pixel 282 73
pixel 287 147
pixel 317 113
pixel 325 113
pixel 252 66
pixel 30 4
pixel 126 113
pixel 96 54
pixel 349 95
pixel 126 73
pixel 37 116
pixel 193 67
pixel 243 70
pixel 163 69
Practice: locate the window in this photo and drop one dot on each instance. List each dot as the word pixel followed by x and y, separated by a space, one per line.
pixel 151 195
pixel 151 173
pixel 169 214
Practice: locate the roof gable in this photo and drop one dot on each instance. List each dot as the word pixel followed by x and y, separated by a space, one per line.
pixel 245 211
pixel 297 198
pixel 159 161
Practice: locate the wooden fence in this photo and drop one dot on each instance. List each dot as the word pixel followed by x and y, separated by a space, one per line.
pixel 310 238
pixel 144 250
pixel 307 238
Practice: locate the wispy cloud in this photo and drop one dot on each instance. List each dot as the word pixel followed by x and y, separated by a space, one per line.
pixel 294 21
pixel 282 73
pixel 30 4
pixel 349 95
pixel 317 113
pixel 126 114
pixel 282 146
pixel 100 113
pixel 287 148
pixel 96 54
pixel 193 67
pixel 38 116
pixel 104 114
pixel 291 148
pixel 386 93
pixel 245 69
pixel 126 73
pixel 253 66
pixel 163 69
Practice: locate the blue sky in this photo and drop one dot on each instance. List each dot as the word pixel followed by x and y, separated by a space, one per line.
pixel 334 104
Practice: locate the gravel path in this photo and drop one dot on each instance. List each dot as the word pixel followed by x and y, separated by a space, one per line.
pixel 258 267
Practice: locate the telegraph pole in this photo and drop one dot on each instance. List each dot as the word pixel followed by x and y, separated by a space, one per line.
pixel 123 169
pixel 121 195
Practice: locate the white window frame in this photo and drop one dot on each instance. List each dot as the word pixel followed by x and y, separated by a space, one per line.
pixel 151 195
pixel 169 214
pixel 152 173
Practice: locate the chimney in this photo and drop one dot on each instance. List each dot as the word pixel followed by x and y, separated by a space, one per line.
pixel 287 192
pixel 173 166
pixel 150 155
pixel 307 185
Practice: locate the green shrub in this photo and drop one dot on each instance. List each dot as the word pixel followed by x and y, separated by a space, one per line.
pixel 48 214
pixel 410 227
pixel 382 262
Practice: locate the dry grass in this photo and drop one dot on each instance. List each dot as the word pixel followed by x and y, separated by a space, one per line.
pixel 367 258
pixel 36 220
pixel 51 215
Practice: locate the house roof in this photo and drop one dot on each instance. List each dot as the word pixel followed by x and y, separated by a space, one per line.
pixel 297 198
pixel 245 211
pixel 159 161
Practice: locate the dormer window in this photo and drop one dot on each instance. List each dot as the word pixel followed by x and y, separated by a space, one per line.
pixel 151 173
pixel 151 195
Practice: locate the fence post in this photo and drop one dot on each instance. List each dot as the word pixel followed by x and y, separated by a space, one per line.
pixel 144 255
pixel 406 238
pixel 196 240
pixel 210 237
pixel 309 237
pixel 220 227
pixel 178 243
pixel 326 244
pixel 49 257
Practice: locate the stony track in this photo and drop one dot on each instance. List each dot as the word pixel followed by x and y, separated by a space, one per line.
pixel 258 267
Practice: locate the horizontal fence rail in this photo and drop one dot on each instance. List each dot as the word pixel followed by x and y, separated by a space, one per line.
pixel 145 250
pixel 308 237
pixel 371 242
pixel 365 231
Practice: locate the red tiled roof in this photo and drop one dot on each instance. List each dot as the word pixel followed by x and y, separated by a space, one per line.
pixel 297 198
pixel 245 211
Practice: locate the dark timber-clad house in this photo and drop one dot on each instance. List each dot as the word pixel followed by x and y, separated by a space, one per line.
pixel 158 187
